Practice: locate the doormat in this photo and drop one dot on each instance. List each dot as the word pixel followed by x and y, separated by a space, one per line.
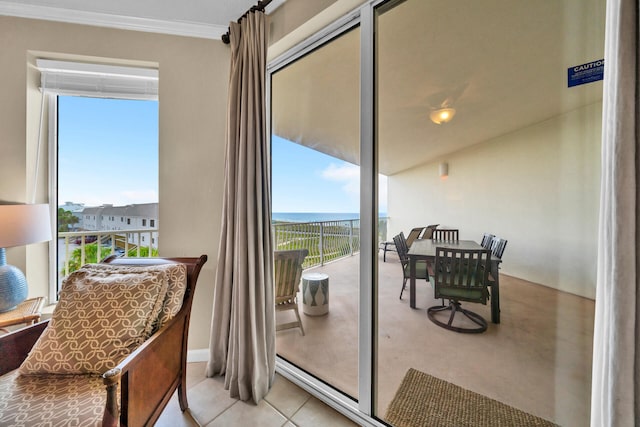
pixel 423 400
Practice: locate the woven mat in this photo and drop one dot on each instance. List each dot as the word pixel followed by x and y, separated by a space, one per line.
pixel 423 400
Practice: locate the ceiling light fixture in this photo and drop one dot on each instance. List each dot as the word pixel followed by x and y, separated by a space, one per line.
pixel 442 115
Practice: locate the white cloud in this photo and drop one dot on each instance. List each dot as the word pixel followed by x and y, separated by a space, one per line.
pixel 348 174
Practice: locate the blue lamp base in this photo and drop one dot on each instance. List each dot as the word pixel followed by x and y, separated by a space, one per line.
pixel 13 284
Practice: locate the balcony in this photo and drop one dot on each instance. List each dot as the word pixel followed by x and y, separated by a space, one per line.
pixel 76 248
pixel 537 359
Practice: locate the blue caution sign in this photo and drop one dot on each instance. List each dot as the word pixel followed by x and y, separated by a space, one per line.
pixel 585 73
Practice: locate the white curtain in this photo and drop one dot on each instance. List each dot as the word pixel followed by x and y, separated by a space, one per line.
pixel 616 354
pixel 243 324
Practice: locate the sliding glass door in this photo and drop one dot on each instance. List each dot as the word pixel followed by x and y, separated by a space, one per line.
pixel 415 113
pixel 475 135
pixel 315 139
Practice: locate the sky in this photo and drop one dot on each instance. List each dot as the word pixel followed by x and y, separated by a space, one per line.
pixel 107 151
pixel 305 180
pixel 108 154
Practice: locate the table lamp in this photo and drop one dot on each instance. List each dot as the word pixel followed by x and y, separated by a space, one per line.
pixel 19 225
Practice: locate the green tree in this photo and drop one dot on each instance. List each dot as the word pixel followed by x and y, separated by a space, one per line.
pixel 91 254
pixel 144 252
pixel 66 219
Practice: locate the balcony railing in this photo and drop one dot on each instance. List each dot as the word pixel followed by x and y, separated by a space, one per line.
pixel 325 240
pixel 93 246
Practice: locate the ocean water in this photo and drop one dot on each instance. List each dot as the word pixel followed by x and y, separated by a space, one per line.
pixel 316 216
pixel 313 216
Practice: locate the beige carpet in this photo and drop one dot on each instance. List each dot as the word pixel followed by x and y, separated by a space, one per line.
pixel 423 400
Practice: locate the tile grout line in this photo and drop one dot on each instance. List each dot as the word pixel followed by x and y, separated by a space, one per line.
pixel 298 410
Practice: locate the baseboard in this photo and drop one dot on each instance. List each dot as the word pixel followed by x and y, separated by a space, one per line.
pixel 198 355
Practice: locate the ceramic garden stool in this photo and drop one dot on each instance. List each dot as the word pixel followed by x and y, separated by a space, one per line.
pixel 315 294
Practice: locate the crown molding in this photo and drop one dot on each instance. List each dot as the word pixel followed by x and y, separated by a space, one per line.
pixel 273 5
pixel 188 29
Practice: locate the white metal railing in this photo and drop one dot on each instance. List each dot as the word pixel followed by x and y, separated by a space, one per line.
pixel 77 248
pixel 325 240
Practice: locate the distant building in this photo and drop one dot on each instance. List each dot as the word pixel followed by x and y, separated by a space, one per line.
pixel 76 209
pixel 138 217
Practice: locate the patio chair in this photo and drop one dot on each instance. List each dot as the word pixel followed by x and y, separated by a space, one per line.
pixel 403 254
pixel 287 272
pixel 386 246
pixel 414 234
pixel 428 232
pixel 460 275
pixel 445 234
pixel 486 240
pixel 497 246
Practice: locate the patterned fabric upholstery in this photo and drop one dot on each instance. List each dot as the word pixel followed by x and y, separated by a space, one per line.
pixel 176 285
pixel 100 318
pixel 51 400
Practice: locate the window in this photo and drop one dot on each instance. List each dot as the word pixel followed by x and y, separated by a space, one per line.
pixel 128 221
pixel 152 223
pixel 144 222
pixel 96 113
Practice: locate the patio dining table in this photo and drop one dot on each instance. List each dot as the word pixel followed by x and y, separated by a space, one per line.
pixel 426 249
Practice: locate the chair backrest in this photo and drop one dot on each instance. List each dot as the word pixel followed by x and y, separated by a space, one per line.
pixel 428 232
pixel 414 234
pixel 287 273
pixel 445 234
pixel 462 274
pixel 497 246
pixel 486 240
pixel 194 265
pixel 401 247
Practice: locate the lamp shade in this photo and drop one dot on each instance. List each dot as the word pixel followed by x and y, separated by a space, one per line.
pixel 19 225
pixel 24 224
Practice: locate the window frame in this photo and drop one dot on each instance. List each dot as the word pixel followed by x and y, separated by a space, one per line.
pixel 72 78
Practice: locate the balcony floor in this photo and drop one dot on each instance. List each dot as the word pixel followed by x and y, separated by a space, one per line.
pixel 537 359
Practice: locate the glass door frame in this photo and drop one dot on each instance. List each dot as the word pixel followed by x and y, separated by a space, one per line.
pixel 361 411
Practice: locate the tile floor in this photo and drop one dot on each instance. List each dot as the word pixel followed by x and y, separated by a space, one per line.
pixel 286 405
pixel 538 359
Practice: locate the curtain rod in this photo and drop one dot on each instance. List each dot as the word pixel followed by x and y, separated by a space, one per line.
pixel 257 8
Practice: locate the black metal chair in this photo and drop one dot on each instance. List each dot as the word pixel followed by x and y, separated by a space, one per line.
pixel 497 246
pixel 486 240
pixel 403 254
pixel 444 234
pixel 460 275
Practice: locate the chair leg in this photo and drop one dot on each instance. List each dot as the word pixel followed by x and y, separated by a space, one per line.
pixel 404 285
pixel 299 321
pixel 455 307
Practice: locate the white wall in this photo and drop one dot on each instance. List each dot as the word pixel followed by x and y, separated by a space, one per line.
pixel 538 188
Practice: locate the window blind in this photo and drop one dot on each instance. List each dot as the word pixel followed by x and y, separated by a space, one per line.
pixel 97 80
